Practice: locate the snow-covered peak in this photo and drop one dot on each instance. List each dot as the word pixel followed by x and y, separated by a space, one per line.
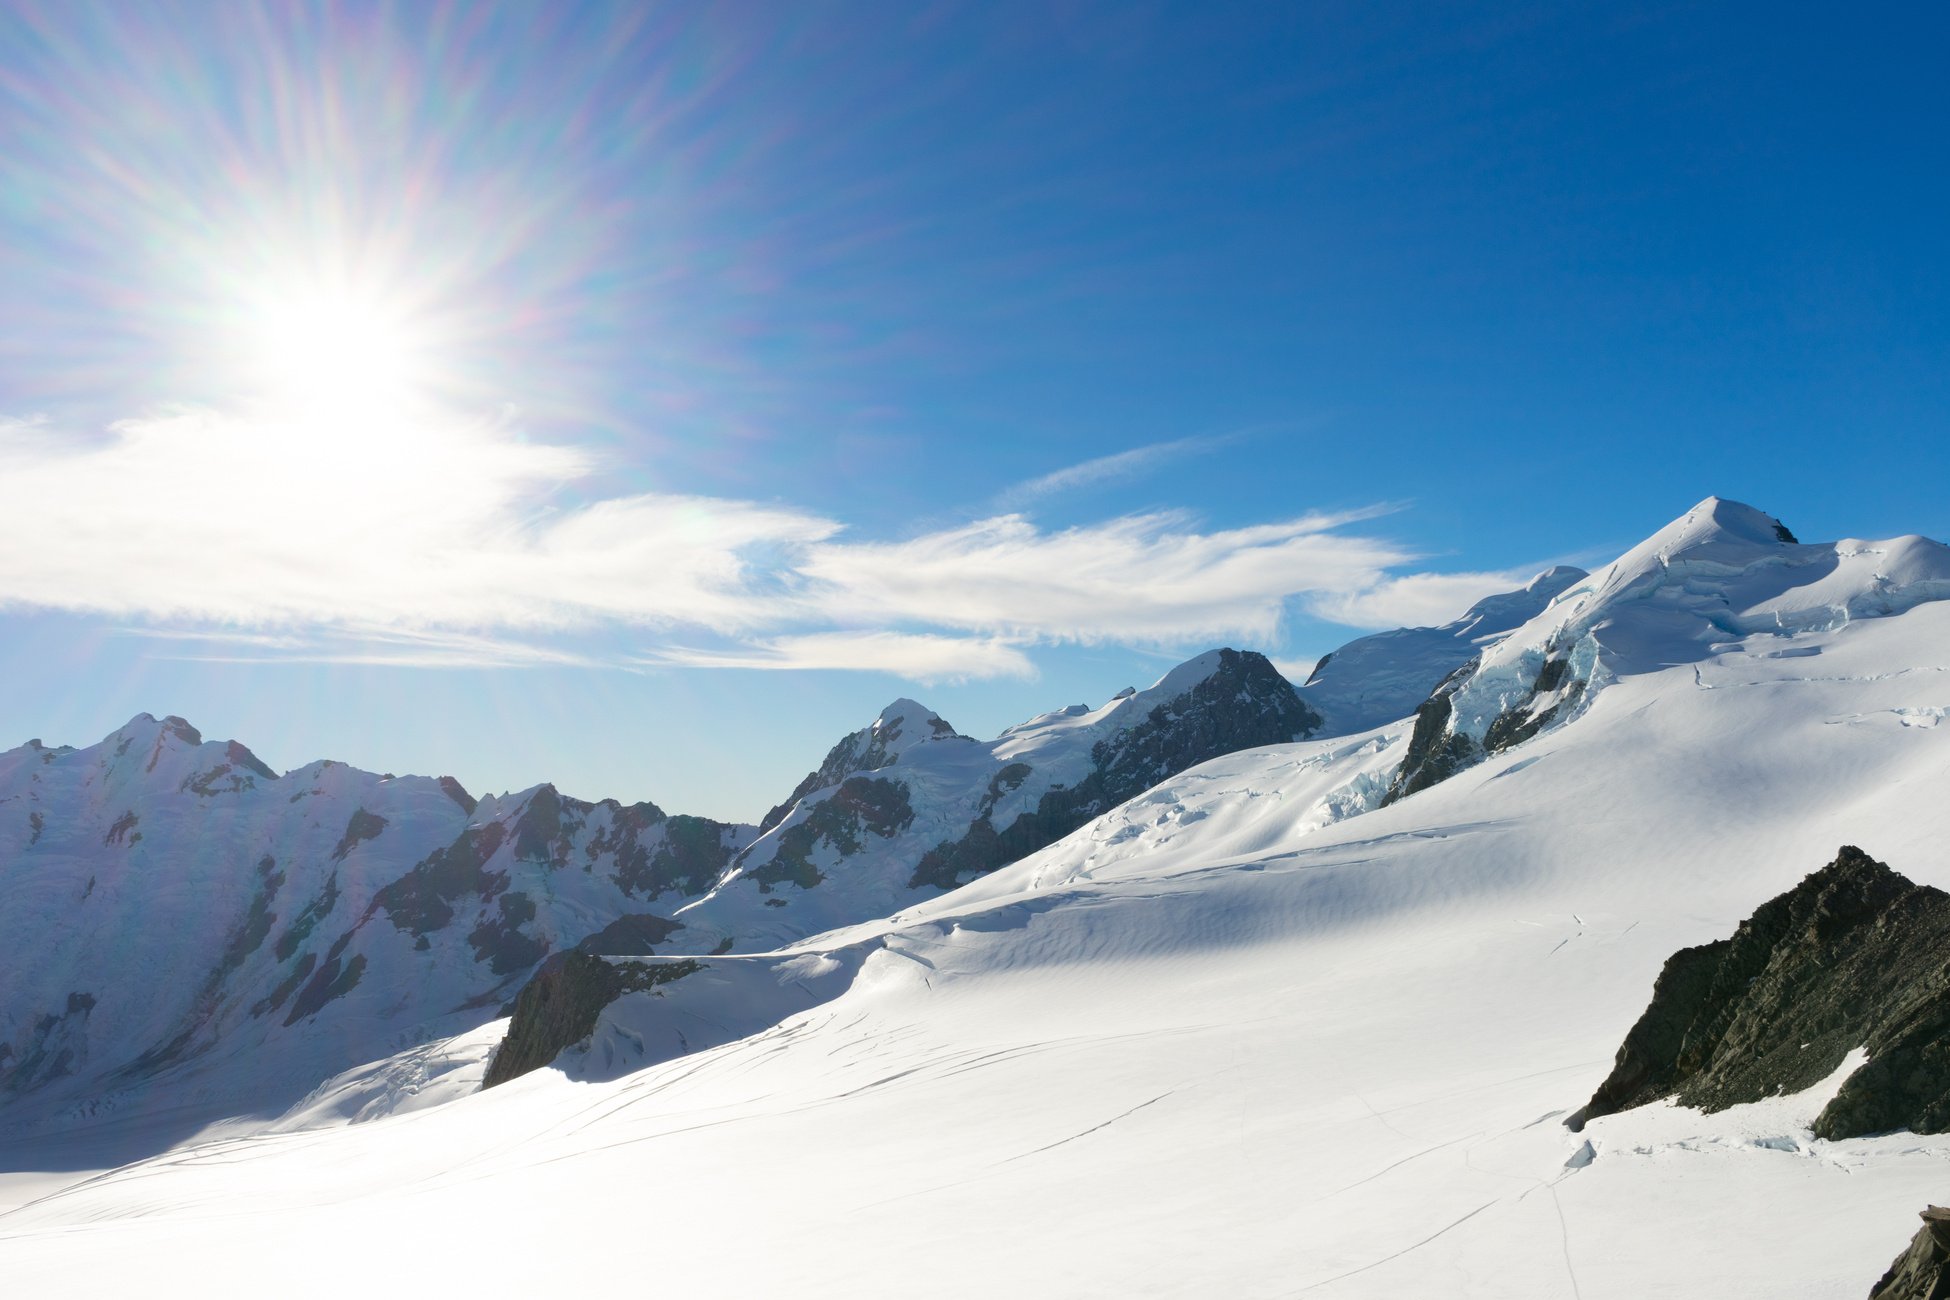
pixel 169 753
pixel 1717 521
pixel 1723 571
pixel 1494 615
pixel 1184 676
pixel 1128 707
pixel 892 811
pixel 1380 678
pixel 145 730
pixel 1720 574
pixel 896 731
pixel 906 723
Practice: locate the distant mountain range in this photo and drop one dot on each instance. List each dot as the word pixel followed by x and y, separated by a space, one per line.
pixel 175 906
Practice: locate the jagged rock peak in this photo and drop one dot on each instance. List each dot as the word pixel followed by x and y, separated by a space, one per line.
pixel 906 723
pixel 1851 957
pixel 896 730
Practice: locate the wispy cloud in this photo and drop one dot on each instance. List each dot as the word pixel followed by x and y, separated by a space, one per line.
pixel 1414 599
pixel 388 647
pixel 238 536
pixel 925 657
pixel 1295 670
pixel 1149 578
pixel 1102 471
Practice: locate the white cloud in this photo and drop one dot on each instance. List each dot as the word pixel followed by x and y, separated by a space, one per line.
pixel 1117 468
pixel 1295 670
pixel 1149 578
pixel 437 543
pixel 924 657
pixel 388 647
pixel 220 519
pixel 1414 599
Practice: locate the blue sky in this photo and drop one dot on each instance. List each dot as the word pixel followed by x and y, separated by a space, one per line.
pixel 639 398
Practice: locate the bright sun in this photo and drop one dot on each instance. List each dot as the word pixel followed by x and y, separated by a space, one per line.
pixel 333 348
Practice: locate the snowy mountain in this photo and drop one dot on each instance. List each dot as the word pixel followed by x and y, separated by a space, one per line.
pixel 180 909
pixel 175 908
pixel 907 807
pixel 1720 573
pixel 1380 678
pixel 1261 1030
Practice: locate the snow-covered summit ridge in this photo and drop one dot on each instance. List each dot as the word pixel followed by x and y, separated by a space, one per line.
pixel 1723 571
pixel 1719 574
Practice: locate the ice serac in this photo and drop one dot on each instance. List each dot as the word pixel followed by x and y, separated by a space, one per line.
pixel 1381 678
pixel 186 927
pixel 1852 957
pixel 1720 573
pixel 906 807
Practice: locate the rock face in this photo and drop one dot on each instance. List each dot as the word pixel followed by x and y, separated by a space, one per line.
pixel 559 1007
pixel 1851 957
pixel 1437 749
pixel 900 726
pixel 1923 1271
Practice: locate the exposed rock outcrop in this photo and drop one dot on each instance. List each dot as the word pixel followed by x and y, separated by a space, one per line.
pixel 559 1006
pixel 1851 957
pixel 1437 750
pixel 1923 1271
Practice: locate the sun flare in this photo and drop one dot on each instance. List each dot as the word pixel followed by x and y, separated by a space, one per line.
pixel 332 348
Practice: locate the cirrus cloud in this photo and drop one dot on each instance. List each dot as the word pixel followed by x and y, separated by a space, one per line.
pixel 443 542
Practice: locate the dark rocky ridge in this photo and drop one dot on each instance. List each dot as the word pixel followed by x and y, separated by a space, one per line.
pixel 1435 753
pixel 866 750
pixel 1923 1271
pixel 1243 704
pixel 558 1008
pixel 1851 957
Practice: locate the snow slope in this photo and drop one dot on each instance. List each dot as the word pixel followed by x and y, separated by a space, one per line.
pixel 1221 1042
